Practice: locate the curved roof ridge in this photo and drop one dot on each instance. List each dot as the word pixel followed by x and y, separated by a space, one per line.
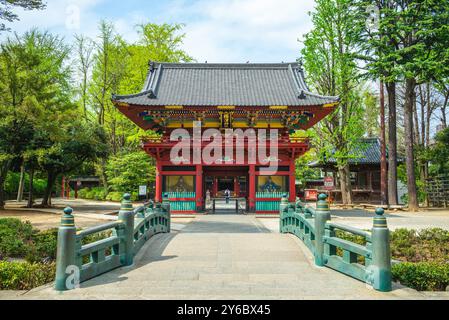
pixel 316 95
pixel 135 95
pixel 241 65
pixel 239 84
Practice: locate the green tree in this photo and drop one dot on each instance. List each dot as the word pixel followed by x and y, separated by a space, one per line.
pixel 119 67
pixel 162 42
pixel 440 152
pixel 76 143
pixel 378 51
pixel 35 80
pixel 422 27
pixel 331 68
pixel 411 43
pixel 128 171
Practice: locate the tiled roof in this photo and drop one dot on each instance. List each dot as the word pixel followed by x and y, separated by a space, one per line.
pixel 367 152
pixel 207 84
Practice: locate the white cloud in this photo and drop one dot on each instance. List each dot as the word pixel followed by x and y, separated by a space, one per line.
pixel 216 31
pixel 64 17
pixel 241 30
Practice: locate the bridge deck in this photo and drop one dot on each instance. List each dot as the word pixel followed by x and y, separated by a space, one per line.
pixel 222 257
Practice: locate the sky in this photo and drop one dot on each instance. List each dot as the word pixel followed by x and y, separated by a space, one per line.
pixel 216 30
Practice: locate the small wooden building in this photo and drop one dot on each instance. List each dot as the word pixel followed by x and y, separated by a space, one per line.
pixel 365 173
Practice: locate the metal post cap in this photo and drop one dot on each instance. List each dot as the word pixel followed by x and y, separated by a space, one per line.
pixel 126 204
pixel 322 196
pixel 379 220
pixel 322 204
pixel 67 219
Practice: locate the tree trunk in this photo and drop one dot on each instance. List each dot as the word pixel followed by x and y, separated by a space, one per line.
pixel 344 193
pixel 427 142
pixel 51 177
pixel 409 148
pixel 383 150
pixel 21 183
pixel 443 111
pixel 345 185
pixel 416 131
pixel 349 196
pixel 30 191
pixel 392 145
pixel 3 172
pixel 104 178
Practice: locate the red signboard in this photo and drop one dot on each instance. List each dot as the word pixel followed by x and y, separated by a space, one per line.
pixel 311 194
pixel 329 183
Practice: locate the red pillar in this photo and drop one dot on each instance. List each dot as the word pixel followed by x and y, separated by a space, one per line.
pixel 199 187
pixel 158 191
pixel 252 188
pixel 68 189
pixel 292 182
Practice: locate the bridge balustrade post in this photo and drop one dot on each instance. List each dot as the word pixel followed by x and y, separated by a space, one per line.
pixel 126 216
pixel 66 252
pixel 322 215
pixel 282 206
pixel 379 272
pixel 166 207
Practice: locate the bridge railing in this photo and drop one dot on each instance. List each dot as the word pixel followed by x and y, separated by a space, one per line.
pixel 314 228
pixel 77 262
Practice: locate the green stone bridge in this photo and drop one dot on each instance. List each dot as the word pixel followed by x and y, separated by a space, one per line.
pixel 222 257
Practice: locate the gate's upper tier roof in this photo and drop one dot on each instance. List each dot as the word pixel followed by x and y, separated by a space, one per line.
pixel 210 84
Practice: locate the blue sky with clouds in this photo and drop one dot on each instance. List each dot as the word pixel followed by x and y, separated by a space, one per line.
pixel 216 30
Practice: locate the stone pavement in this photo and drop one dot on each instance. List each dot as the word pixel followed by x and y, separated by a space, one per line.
pixel 82 208
pixel 222 257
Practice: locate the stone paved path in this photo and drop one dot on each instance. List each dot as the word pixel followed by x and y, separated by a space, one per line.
pixel 222 257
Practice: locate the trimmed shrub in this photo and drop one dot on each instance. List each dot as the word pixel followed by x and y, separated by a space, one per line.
pixel 15 236
pixel 114 196
pixel 82 193
pixel 43 246
pixel 134 196
pixel 96 193
pixel 427 245
pixel 352 238
pixel 25 275
pixel 96 237
pixel 422 276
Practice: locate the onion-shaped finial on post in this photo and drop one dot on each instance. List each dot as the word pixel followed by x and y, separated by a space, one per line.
pixel 126 204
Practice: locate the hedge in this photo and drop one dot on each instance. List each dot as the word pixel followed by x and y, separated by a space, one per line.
pixel 422 276
pixel 15 236
pixel 25 275
pixel 38 248
pixel 102 194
